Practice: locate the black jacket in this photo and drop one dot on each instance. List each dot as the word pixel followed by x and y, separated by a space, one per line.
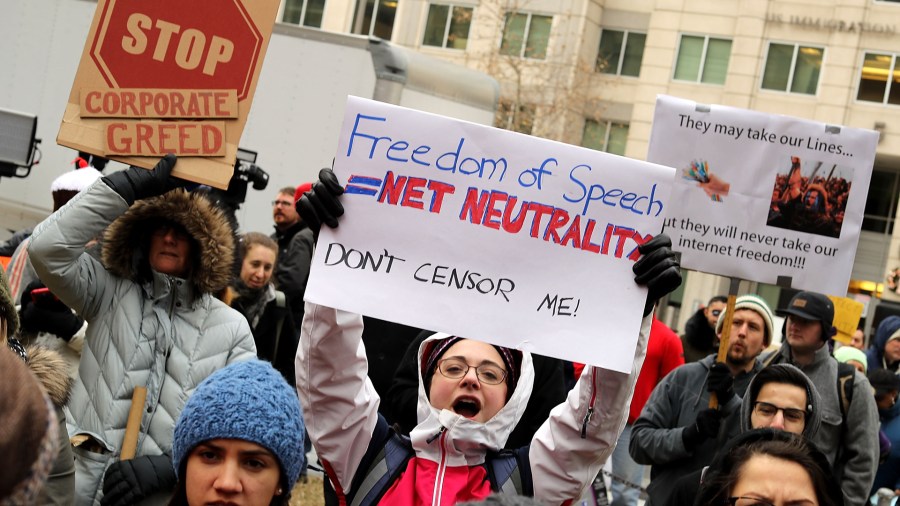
pixel 699 340
pixel 264 336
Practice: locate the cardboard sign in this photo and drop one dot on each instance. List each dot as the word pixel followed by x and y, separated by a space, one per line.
pixel 489 234
pixel 169 77
pixel 847 313
pixel 763 197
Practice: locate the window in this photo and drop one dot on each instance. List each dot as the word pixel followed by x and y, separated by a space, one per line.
pixel 880 79
pixel 881 203
pixel 605 136
pixel 303 12
pixel 526 35
pixel 793 68
pixel 447 26
pixel 515 117
pixel 702 59
pixel 621 52
pixel 375 17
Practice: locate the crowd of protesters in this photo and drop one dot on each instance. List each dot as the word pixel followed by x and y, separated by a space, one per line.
pixel 201 377
pixel 815 204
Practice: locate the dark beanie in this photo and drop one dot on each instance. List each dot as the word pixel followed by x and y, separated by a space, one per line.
pixel 512 360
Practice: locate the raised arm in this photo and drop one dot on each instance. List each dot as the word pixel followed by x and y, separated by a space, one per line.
pixel 568 451
pixel 340 405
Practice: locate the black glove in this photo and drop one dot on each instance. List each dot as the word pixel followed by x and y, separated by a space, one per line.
pixel 321 204
pixel 658 269
pixel 136 183
pixel 721 382
pixel 706 426
pixel 131 481
pixel 47 314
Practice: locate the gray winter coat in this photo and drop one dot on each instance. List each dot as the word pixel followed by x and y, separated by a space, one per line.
pixel 146 329
pixel 656 436
pixel 853 455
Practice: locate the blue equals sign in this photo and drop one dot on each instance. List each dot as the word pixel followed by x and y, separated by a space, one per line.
pixel 363 185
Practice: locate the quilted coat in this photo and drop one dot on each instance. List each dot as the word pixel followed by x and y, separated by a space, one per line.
pixel 145 328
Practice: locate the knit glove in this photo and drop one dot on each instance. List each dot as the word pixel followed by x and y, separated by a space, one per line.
pixel 321 203
pixel 136 183
pixel 720 381
pixel 47 314
pixel 657 269
pixel 706 426
pixel 130 481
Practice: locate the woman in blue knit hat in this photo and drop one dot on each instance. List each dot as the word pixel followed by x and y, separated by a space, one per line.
pixel 239 439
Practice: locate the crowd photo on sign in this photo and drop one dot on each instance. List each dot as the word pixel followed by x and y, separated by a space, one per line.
pixel 449 306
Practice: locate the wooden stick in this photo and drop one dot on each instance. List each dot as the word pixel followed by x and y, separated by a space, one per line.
pixel 133 427
pixel 726 334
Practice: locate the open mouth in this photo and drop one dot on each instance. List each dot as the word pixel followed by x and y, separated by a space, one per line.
pixel 467 407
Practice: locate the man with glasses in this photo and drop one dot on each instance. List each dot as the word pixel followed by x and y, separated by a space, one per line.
pixel 699 339
pixel 779 397
pixel 677 433
pixel 295 248
pixel 848 436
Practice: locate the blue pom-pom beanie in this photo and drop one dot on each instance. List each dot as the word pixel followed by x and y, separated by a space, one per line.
pixel 246 400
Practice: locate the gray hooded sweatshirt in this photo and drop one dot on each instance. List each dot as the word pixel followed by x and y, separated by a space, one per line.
pixel 851 445
pixel 656 436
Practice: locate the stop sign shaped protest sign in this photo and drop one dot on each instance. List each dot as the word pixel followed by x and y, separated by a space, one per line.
pixel 213 44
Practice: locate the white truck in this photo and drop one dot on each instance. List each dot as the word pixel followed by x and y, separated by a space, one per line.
pixel 294 121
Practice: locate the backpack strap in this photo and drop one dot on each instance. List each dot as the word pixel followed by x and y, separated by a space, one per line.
pixel 846 375
pixel 383 469
pixel 508 474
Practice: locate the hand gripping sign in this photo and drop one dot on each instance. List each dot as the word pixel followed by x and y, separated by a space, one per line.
pixel 489 234
pixel 169 76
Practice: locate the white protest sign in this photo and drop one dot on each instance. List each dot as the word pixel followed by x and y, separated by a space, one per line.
pixel 489 234
pixel 758 196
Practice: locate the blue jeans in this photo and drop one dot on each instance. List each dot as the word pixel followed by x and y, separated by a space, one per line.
pixel 624 467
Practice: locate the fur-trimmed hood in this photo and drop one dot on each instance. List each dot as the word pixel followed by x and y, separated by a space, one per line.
pixel 127 238
pixel 50 368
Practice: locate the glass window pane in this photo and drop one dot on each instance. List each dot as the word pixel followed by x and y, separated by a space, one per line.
pixel 384 18
pixel 292 11
pixel 538 37
pixel 618 134
pixel 873 80
pixel 806 72
pixel 610 49
pixel 881 194
pixel 435 25
pixel 460 23
pixel 687 67
pixel 315 9
pixel 634 54
pixel 718 52
pixel 778 67
pixel 513 34
pixel 594 135
pixel 362 18
pixel 894 94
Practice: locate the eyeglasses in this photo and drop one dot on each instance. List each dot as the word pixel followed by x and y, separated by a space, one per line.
pixel 716 312
pixel 489 374
pixel 756 501
pixel 164 229
pixel 282 203
pixel 767 410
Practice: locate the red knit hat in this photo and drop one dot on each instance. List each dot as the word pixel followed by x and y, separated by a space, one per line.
pixel 303 188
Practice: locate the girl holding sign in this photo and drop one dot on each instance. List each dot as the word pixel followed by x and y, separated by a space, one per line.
pixel 471 395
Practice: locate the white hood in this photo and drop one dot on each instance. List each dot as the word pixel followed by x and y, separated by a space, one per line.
pixel 467 441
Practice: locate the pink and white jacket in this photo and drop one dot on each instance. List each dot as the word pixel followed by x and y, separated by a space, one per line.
pixel 340 409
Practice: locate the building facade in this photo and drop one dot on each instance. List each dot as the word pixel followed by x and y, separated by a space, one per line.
pixel 588 72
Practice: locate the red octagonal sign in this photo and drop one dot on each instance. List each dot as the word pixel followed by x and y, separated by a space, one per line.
pixel 177 44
